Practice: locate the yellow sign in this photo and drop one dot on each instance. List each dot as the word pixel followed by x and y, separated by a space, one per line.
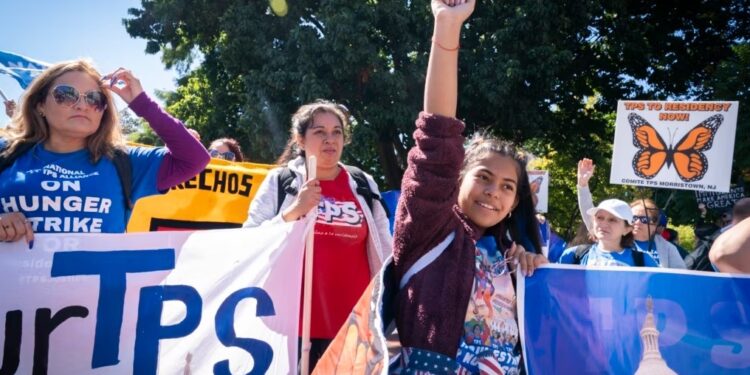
pixel 218 197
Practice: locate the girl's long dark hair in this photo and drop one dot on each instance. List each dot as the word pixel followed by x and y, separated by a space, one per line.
pixel 522 224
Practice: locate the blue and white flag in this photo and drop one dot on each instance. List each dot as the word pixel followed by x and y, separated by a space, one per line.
pixel 21 68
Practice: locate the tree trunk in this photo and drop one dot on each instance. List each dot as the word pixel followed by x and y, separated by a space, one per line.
pixel 389 164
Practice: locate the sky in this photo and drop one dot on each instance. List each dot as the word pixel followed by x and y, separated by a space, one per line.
pixel 53 30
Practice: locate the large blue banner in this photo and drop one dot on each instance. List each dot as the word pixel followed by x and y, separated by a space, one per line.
pixel 21 68
pixel 634 320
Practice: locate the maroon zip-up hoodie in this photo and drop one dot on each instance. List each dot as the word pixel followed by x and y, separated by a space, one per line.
pixel 432 305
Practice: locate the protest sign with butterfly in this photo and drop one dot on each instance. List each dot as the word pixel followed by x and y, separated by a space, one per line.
pixel 539 181
pixel 674 145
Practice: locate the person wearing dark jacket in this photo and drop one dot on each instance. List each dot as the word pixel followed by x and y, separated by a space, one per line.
pixel 452 258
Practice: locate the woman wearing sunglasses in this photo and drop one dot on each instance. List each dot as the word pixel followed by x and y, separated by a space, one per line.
pixel 645 219
pixel 645 216
pixel 66 179
pixel 227 149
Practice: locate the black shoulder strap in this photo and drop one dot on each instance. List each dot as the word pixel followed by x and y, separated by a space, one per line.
pixel 7 161
pixel 363 188
pixel 638 258
pixel 286 176
pixel 124 168
pixel 581 251
pixel 284 184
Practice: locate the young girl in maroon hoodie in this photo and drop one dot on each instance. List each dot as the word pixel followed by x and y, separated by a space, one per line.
pixel 456 303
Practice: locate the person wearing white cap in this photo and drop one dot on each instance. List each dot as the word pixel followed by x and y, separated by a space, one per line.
pixel 612 226
pixel 645 216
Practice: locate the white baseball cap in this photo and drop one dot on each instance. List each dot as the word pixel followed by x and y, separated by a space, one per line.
pixel 615 207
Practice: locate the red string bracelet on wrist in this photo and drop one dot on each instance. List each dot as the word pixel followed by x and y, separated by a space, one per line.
pixel 443 47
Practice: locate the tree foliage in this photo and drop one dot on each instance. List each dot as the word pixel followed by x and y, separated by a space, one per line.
pixel 545 73
pixel 130 124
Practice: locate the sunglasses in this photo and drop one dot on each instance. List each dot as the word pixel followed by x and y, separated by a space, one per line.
pixel 69 96
pixel 229 155
pixel 644 219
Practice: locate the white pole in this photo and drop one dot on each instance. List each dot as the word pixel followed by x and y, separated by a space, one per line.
pixel 306 306
pixel 5 98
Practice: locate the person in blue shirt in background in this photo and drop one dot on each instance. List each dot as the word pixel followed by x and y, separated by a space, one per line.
pixel 645 215
pixel 612 226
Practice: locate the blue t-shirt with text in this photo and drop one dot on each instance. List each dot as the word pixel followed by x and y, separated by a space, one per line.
pixel 67 193
pixel 650 250
pixel 596 257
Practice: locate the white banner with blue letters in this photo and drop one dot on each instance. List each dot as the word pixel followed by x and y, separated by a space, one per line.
pixel 208 302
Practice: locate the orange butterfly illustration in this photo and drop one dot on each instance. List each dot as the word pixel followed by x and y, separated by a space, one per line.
pixel 687 155
pixel 536 184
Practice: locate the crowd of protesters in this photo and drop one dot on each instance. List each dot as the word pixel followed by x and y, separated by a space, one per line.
pixel 467 206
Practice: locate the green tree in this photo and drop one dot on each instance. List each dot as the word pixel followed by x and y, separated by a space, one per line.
pixel 732 82
pixel 146 136
pixel 549 72
pixel 562 166
pixel 129 123
pixel 136 129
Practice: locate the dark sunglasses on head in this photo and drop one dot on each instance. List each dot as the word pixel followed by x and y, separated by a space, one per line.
pixel 229 155
pixel 644 219
pixel 69 96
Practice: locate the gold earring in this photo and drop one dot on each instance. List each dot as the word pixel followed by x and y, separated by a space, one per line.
pixel 41 113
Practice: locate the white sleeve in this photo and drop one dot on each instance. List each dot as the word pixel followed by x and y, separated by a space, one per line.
pixel 381 221
pixel 670 254
pixel 675 260
pixel 585 202
pixel 264 204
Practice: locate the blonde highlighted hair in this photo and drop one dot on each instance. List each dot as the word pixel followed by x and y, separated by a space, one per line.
pixel 649 206
pixel 28 125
